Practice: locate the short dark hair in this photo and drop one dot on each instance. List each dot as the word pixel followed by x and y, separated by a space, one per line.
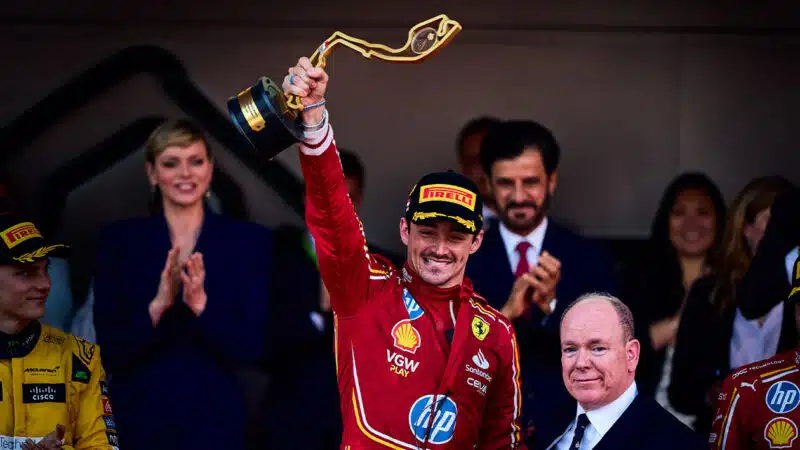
pixel 476 125
pixel 507 140
pixel 624 313
pixel 352 167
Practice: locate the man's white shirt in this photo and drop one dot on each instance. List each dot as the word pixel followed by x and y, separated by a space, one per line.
pixel 511 240
pixel 600 421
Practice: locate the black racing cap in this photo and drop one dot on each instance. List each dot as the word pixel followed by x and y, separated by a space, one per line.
pixel 446 195
pixel 22 243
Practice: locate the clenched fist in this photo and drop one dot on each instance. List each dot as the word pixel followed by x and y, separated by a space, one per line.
pixel 309 84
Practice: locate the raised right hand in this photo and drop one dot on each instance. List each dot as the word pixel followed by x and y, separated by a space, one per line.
pixel 168 287
pixel 309 83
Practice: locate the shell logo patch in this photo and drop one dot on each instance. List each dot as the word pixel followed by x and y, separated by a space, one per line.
pixel 480 327
pixel 405 336
pixel 780 432
pixel 447 193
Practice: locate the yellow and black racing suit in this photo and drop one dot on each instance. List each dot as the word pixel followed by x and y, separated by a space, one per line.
pixel 49 378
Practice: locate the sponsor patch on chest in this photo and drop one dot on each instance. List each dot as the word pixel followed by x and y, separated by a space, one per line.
pixel 406 337
pixel 44 393
pixel 433 421
pixel 783 397
pixel 400 364
pixel 780 432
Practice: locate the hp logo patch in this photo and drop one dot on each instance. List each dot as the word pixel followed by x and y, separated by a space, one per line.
pixel 413 308
pixel 783 397
pixel 444 422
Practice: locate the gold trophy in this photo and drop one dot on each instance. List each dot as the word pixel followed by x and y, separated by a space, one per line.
pixel 271 121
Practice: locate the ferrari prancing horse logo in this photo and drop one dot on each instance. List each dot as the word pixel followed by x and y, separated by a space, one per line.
pixel 480 327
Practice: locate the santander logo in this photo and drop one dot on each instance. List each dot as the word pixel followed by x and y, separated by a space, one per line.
pixel 483 364
pixel 480 360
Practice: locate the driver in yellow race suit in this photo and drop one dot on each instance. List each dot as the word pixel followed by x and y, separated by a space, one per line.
pixel 52 385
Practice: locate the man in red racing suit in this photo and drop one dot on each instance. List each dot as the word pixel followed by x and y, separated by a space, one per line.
pixel 757 407
pixel 420 365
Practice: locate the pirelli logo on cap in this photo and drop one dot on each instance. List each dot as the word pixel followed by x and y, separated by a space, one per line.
pixel 19 233
pixel 447 193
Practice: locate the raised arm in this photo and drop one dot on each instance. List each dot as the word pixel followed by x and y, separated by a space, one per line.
pixel 344 262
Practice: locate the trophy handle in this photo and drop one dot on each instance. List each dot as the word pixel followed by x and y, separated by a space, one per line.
pixel 424 39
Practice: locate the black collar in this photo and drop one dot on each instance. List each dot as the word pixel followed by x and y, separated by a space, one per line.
pixel 20 344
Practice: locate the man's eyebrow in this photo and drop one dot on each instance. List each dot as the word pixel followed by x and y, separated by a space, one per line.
pixel 591 342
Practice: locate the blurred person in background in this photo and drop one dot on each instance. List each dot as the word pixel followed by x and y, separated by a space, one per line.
pixel 683 240
pixel 468 149
pixel 181 304
pixel 762 286
pixel 713 337
pixel 355 175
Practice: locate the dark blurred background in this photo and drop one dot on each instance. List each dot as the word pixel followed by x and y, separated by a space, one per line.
pixel 636 91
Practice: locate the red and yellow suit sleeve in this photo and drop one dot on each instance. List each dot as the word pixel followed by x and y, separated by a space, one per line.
pixel 345 264
pixel 501 428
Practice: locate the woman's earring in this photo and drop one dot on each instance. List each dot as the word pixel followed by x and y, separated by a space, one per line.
pixel 208 193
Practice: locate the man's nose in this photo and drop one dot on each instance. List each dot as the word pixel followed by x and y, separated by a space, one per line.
pixel 518 194
pixel 582 359
pixel 441 246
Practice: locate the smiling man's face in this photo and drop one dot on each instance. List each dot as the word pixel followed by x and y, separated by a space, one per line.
pixel 597 362
pixel 23 290
pixel 438 251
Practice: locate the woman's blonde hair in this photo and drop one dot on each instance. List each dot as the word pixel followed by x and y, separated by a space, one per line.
pixel 174 133
pixel 734 252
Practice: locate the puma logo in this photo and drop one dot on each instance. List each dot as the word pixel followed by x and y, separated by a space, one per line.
pixel 744 383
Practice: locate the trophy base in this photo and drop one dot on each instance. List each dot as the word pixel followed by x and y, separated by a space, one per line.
pixel 261 115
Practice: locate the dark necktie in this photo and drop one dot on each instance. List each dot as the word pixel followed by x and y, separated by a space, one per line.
pixel 522 268
pixel 522 265
pixel 583 422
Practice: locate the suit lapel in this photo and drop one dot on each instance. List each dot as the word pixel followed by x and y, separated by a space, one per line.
pixel 498 252
pixel 624 428
pixel 497 268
